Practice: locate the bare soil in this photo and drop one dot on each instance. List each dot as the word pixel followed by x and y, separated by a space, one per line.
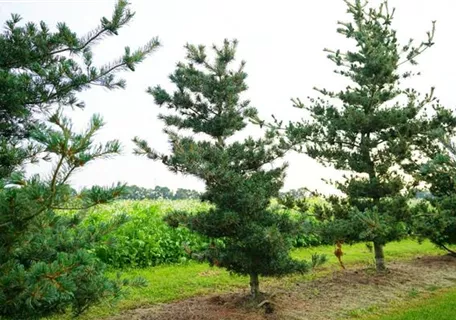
pixel 328 298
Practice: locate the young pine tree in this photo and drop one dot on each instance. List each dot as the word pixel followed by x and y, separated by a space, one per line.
pixel 436 215
pixel 374 129
pixel 47 263
pixel 206 112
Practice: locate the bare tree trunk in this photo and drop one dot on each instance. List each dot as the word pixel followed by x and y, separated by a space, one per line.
pixel 450 252
pixel 379 257
pixel 254 285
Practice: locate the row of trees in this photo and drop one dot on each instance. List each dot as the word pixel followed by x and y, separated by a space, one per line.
pixel 379 131
pixel 133 192
pixel 139 193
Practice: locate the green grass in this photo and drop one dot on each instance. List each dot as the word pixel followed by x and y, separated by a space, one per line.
pixel 174 282
pixel 359 253
pixel 438 306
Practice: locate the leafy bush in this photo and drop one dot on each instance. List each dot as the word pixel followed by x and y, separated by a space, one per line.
pixel 147 240
pixel 303 208
pixel 310 238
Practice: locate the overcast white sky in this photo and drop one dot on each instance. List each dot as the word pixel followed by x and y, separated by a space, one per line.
pixel 281 41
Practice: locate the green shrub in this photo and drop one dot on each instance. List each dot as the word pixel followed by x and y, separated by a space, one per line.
pixel 147 240
pixel 310 238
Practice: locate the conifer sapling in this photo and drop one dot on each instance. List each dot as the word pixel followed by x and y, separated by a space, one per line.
pixel 374 128
pixel 205 113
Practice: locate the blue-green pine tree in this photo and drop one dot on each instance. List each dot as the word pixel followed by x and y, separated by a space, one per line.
pixel 375 128
pixel 205 113
pixel 435 217
pixel 47 264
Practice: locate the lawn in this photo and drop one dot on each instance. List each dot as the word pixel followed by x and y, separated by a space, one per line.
pixel 438 306
pixel 175 282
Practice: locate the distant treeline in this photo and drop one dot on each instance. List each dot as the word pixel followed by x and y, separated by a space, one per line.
pixel 139 193
pixel 134 192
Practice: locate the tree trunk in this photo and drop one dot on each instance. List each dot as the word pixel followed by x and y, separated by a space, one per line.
pixel 254 285
pixel 379 257
pixel 450 252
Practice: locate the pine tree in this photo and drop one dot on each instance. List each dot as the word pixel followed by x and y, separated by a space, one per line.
pixel 40 68
pixel 47 263
pixel 206 113
pixel 436 215
pixel 374 129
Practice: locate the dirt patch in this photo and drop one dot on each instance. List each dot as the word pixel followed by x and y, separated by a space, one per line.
pixel 327 298
pixel 209 273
